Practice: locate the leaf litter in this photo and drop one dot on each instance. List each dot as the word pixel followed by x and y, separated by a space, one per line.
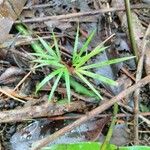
pixel 13 72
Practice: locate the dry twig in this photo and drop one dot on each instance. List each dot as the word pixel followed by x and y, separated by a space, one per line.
pixel 80 14
pixel 121 115
pixel 9 94
pixel 43 110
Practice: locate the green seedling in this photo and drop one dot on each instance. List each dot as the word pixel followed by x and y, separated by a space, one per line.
pixel 36 46
pixel 76 67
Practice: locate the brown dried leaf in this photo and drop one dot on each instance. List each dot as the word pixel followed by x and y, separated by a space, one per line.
pixel 9 12
pixel 94 134
pixel 10 75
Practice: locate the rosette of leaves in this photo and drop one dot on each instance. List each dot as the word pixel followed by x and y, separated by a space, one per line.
pixel 76 67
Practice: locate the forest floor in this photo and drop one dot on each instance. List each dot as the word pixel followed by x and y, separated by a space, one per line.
pixel 27 117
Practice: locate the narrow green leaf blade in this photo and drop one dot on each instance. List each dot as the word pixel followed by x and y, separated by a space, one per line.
pixel 106 63
pixel 89 84
pixel 47 47
pixel 99 77
pixel 55 85
pixel 94 52
pixel 48 62
pixel 45 56
pixel 67 80
pixel 45 64
pixel 56 47
pixel 76 44
pixel 47 78
pixel 41 65
pixel 85 46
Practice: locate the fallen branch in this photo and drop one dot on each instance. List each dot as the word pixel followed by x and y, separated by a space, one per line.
pixel 41 143
pixel 98 116
pixel 43 110
pixel 80 14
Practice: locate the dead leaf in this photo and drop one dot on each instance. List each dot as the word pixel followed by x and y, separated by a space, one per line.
pixel 35 131
pixel 11 75
pixel 5 26
pixel 9 12
pixel 120 135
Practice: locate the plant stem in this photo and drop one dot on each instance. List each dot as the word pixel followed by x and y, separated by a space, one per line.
pixel 130 29
pixel 110 131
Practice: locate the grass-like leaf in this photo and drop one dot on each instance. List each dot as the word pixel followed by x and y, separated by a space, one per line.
pixel 77 56
pixel 86 44
pixel 94 52
pixel 67 80
pixel 47 78
pixel 89 84
pixel 98 77
pixel 106 63
pixel 48 62
pixel 37 47
pixel 56 47
pixel 55 85
pixel 47 47
pixel 76 44
pixel 44 64
pixel 43 55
